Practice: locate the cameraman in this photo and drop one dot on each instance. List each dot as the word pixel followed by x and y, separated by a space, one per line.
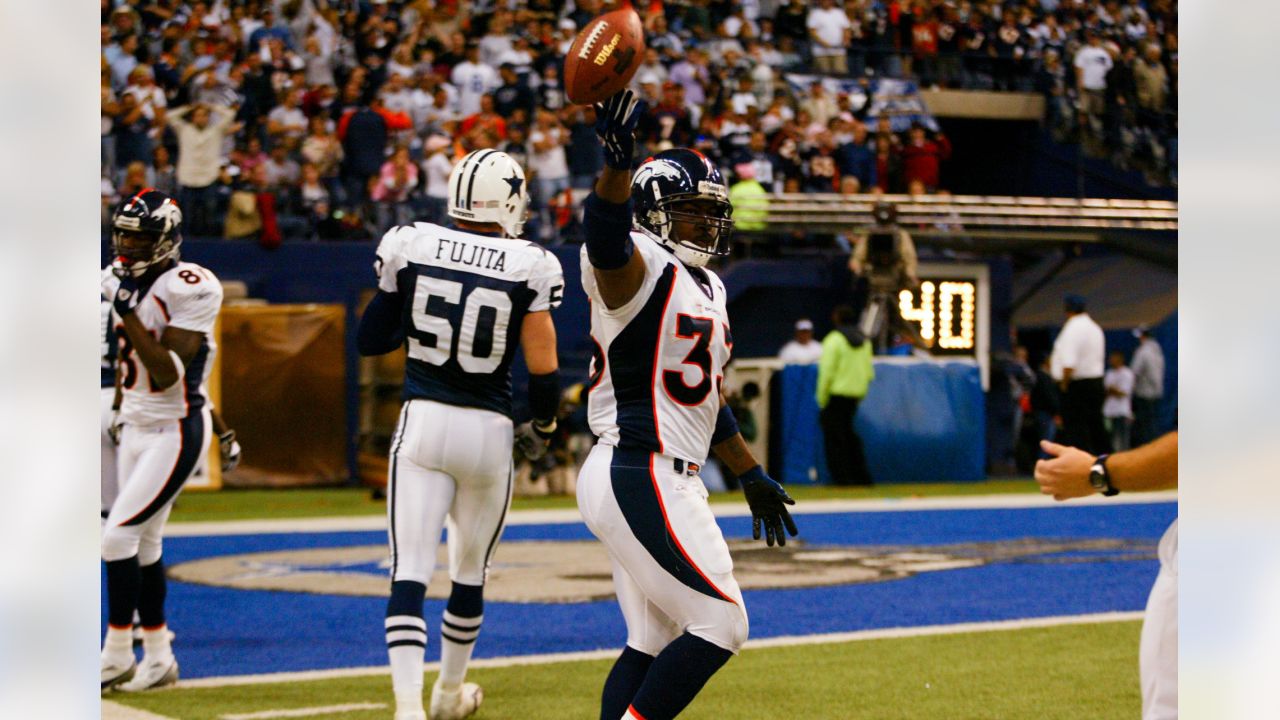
pixel 883 264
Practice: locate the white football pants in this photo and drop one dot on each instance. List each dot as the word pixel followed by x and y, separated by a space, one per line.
pixel 451 463
pixel 1158 649
pixel 671 566
pixel 153 462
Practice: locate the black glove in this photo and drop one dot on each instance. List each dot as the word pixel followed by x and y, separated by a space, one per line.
pixel 616 120
pixel 529 442
pixel 229 449
pixel 126 297
pixel 768 502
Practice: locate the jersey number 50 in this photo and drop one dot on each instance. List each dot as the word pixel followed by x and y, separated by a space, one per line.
pixel 482 326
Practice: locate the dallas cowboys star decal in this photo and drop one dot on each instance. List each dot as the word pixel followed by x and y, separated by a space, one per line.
pixel 516 183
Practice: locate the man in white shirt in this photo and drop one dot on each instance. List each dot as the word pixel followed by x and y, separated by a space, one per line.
pixel 1077 364
pixel 803 349
pixel 1148 386
pixel 831 32
pixel 1092 63
pixel 1117 408
pixel 473 79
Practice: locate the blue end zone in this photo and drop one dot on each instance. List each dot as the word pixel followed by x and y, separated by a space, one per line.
pixel 223 631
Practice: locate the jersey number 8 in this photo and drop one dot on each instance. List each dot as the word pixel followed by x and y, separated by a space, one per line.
pixel 483 325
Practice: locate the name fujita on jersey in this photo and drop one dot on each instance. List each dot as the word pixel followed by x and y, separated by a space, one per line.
pixel 188 297
pixel 465 299
pixel 658 361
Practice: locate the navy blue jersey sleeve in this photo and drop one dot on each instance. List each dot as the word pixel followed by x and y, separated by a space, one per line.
pixel 380 329
pixel 607 226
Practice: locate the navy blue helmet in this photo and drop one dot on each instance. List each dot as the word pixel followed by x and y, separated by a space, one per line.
pixel 681 200
pixel 154 216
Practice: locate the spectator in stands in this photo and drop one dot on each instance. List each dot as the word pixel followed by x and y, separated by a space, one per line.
pixel 748 196
pixel 668 124
pixel 1092 64
pixel 1051 81
pixel 474 80
pixel 762 162
pixel 1120 100
pixel 364 134
pixel 1077 365
pixel 830 33
pixel 1148 386
pixel 820 171
pixel 513 99
pixel 162 175
pixel 548 162
pixel 436 168
pixel 1117 409
pixel 286 120
pixel 820 104
pixel 311 190
pixel 792 22
pixel 200 130
pixel 134 179
pixel 857 159
pixel 322 149
pixel 585 157
pixel 1009 46
pixel 486 121
pixel 922 156
pixel 924 44
pixel 1151 89
pixel 844 374
pixel 802 349
pixel 397 178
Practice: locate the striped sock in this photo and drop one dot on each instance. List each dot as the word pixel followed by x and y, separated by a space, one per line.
pixel 406 641
pixel 459 628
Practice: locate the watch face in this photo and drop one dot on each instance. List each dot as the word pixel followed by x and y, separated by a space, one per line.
pixel 1097 477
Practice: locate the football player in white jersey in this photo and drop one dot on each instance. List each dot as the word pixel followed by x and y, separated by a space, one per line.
pixel 662 339
pixel 460 300
pixel 163 312
pixel 109 409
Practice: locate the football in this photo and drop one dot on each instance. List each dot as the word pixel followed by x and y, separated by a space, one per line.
pixel 604 56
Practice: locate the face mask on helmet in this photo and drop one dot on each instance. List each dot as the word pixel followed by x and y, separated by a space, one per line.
pixel 145 233
pixel 682 202
pixel 695 228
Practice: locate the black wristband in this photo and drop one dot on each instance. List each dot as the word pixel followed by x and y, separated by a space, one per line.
pixel 544 396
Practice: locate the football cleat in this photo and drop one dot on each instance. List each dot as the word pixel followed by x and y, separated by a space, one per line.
pixel 152 674
pixel 114 673
pixel 455 705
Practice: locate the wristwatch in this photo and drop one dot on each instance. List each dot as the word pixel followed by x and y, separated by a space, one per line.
pixel 1100 479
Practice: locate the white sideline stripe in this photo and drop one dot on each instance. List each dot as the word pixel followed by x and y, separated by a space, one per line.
pixel 724 510
pixel 305 712
pixel 610 653
pixel 116 711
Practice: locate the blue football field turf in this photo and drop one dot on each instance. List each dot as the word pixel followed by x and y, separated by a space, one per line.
pixel 224 631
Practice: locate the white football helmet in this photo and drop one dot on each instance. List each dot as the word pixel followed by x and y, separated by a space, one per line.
pixel 487 186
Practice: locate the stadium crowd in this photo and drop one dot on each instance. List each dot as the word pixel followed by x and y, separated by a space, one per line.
pixel 333 119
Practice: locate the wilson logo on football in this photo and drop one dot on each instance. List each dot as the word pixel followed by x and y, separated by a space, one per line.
pixel 603 56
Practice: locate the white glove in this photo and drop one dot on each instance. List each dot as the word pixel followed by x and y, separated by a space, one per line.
pixel 229 449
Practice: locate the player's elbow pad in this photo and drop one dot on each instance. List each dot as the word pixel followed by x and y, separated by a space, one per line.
pixel 380 332
pixel 607 226
pixel 544 396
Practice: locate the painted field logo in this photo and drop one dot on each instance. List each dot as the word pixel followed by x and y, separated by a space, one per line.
pixel 579 571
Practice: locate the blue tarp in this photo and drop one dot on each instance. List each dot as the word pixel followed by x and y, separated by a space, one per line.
pixel 921 422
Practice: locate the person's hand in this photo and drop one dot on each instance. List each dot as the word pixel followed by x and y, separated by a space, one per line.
pixel 529 442
pixel 768 501
pixel 126 297
pixel 1065 474
pixel 229 450
pixel 616 120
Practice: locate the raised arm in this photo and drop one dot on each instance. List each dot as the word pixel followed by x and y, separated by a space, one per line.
pixel 619 270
